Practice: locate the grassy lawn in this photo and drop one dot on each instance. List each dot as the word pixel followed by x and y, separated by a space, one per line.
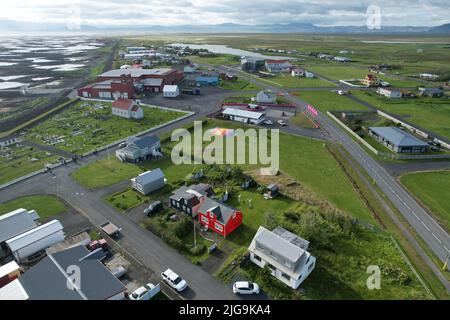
pixel 345 72
pixel 329 101
pixel 17 161
pixel 105 172
pixel 46 206
pixel 430 113
pixel 433 190
pixel 130 198
pixel 85 126
pixel 287 81
pixel 238 84
pixel 302 121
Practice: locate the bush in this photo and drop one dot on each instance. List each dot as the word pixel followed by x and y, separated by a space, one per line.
pixel 183 227
pixel 173 241
pixel 198 250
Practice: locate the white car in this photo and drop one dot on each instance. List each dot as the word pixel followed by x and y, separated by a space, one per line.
pixel 268 122
pixel 174 280
pixel 146 292
pixel 245 287
pixel 281 123
pixel 342 92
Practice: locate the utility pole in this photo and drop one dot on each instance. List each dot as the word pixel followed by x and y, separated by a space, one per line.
pixel 195 236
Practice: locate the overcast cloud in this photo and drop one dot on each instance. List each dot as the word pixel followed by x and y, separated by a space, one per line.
pixel 178 12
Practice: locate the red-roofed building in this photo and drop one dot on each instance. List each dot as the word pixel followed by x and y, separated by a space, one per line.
pixel 276 66
pixel 124 83
pixel 110 89
pixel 219 217
pixel 127 108
pixel 371 80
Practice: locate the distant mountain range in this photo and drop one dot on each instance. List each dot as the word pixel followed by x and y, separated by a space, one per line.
pixel 20 27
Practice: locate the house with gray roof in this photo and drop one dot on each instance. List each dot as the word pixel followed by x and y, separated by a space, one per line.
pixel 398 140
pixel 219 217
pixel 284 253
pixel 149 181
pixel 51 278
pixel 430 92
pixel 138 149
pixel 188 199
pixel 266 96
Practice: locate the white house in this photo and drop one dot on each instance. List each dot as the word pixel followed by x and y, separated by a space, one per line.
pixel 298 72
pixel 8 142
pixel 342 59
pixel 266 96
pixel 171 91
pixel 35 240
pixel 127 108
pixel 284 253
pixel 278 65
pixel 389 93
pixel 309 74
pixel 244 115
pixel 429 76
pixel 149 181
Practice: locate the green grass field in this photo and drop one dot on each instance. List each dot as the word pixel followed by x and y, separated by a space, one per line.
pixel 217 60
pixel 105 172
pixel 329 101
pixel 433 190
pixel 46 206
pixel 430 113
pixel 301 120
pixel 287 81
pixel 82 127
pixel 337 72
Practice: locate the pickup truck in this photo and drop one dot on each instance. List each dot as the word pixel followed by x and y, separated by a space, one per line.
pixel 174 280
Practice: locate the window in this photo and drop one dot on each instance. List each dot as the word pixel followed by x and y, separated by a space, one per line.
pixel 256 257
pixel 218 227
pixel 286 276
pixel 204 219
pixel 311 267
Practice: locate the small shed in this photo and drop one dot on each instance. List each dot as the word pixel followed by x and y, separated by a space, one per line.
pixel 272 191
pixel 171 91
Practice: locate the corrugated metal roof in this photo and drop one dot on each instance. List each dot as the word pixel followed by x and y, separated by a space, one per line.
pixel 170 88
pixel 278 245
pixel 242 113
pixel 135 73
pixel 33 235
pixel 398 137
pixel 15 222
pixel 150 176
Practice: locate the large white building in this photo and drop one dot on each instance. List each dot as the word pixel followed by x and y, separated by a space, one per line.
pixel 389 93
pixel 127 108
pixel 40 238
pixel 250 117
pixel 278 65
pixel 284 253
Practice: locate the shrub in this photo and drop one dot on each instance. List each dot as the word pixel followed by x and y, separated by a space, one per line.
pixel 173 241
pixel 183 227
pixel 197 250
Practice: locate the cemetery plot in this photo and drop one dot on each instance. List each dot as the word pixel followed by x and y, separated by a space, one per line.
pixel 18 160
pixel 86 126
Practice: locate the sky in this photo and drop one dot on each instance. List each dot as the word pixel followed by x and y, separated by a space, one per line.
pixel 200 12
